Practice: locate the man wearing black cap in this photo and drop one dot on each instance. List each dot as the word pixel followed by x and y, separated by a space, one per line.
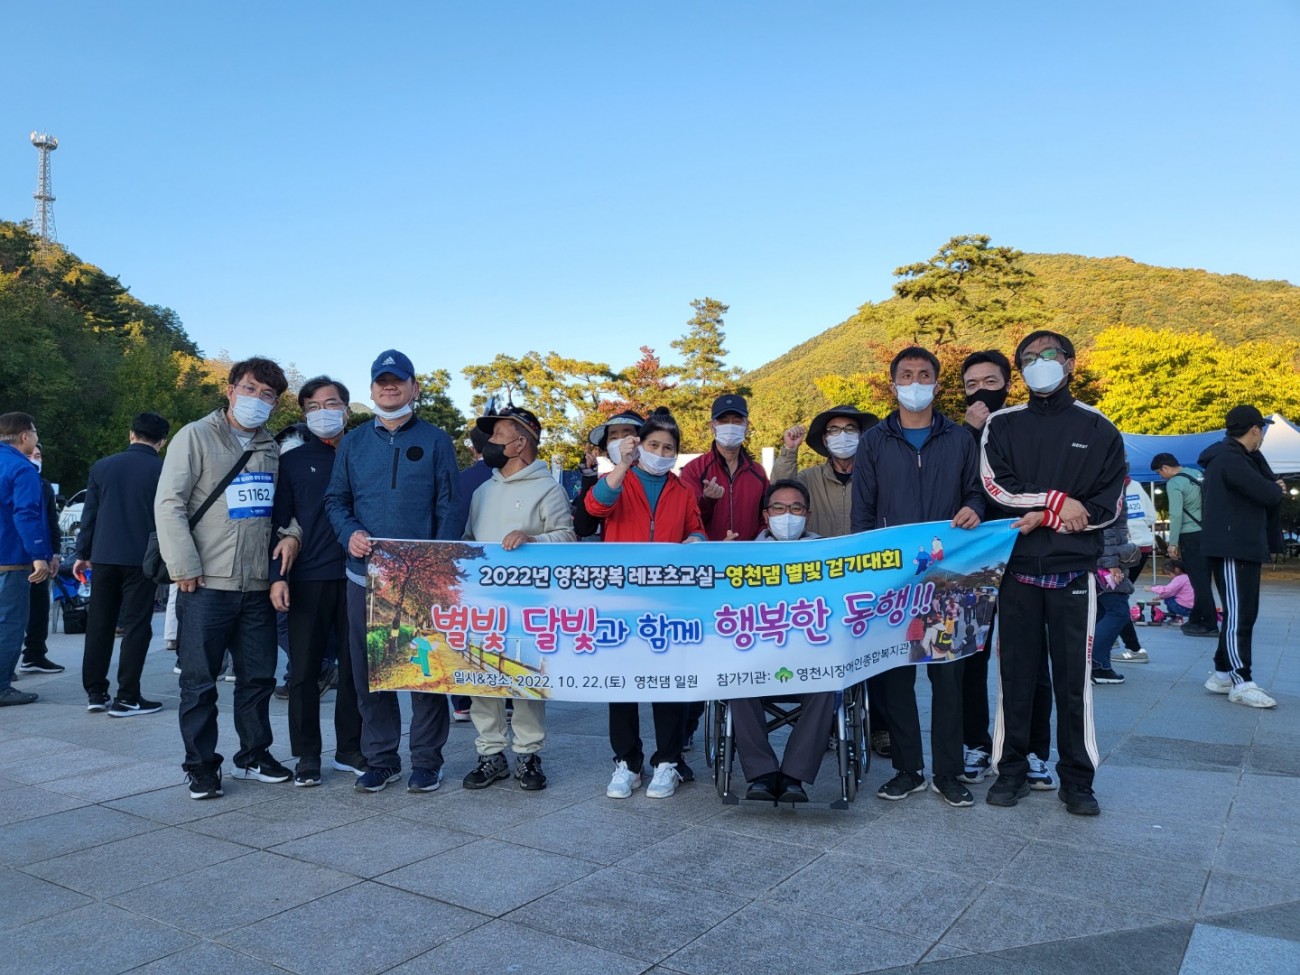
pixel 728 485
pixel 1059 464
pixel 1242 501
pixel 393 478
pixel 834 434
pixel 520 504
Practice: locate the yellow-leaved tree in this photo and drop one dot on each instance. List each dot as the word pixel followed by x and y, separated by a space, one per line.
pixel 1164 381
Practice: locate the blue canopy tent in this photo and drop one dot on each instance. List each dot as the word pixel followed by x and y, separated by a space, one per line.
pixel 1281 448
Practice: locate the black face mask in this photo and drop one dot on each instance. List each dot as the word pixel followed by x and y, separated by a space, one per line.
pixel 994 399
pixel 494 455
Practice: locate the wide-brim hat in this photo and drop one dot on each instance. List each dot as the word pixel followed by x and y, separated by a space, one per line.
pixel 626 418
pixel 525 418
pixel 817 429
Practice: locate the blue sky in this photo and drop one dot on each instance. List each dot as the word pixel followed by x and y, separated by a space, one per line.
pixel 318 181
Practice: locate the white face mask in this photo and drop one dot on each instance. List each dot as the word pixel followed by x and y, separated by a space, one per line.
pixel 654 464
pixel 843 445
pixel 786 527
pixel 1044 375
pixel 614 451
pixel 915 397
pixel 396 414
pixel 729 434
pixel 38 465
pixel 250 412
pixel 326 424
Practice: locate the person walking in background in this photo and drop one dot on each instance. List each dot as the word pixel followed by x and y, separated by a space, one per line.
pixel 1184 489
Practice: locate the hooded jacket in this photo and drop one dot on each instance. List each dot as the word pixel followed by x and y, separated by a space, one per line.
pixel 1241 503
pixel 529 501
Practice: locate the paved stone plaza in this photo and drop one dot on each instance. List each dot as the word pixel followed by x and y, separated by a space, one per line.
pixel 107 866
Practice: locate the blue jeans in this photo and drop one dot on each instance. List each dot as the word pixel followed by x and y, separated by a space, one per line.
pixel 15 607
pixel 244 622
pixel 1173 609
pixel 1112 614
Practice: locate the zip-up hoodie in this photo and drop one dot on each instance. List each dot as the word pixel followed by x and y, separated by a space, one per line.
pixel 393 484
pixel 1035 456
pixel 629 517
pixel 23 535
pixel 1241 503
pixel 529 501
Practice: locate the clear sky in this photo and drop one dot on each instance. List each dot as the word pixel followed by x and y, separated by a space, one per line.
pixel 319 181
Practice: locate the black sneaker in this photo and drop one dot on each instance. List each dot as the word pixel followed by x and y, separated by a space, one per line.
pixel 1196 629
pixel 952 791
pixel 128 709
pixel 1078 800
pixel 1105 675
pixel 307 773
pixel 424 780
pixel 490 768
pixel 12 696
pixel 353 762
pixel 528 770
pixel 40 665
pixel 205 779
pixel 685 771
pixel 263 768
pixel 977 766
pixel 97 702
pixel 1007 791
pixel 902 785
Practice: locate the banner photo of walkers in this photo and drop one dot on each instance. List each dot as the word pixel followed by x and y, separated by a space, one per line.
pixel 660 622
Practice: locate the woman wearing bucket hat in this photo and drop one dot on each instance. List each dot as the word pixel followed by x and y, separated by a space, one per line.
pixel 605 438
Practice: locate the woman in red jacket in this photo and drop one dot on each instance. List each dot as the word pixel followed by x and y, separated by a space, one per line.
pixel 642 500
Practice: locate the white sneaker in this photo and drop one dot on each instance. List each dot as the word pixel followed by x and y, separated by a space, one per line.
pixel 1248 693
pixel 1218 685
pixel 665 781
pixel 623 782
pixel 1138 656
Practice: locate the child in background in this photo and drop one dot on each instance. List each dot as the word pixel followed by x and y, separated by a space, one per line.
pixel 1178 594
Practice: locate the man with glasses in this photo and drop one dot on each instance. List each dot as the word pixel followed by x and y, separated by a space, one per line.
pixel 314 592
pixel 394 477
pixel 1059 465
pixel 25 544
pixel 220 565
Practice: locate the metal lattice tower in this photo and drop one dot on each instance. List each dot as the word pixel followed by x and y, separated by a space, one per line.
pixel 43 221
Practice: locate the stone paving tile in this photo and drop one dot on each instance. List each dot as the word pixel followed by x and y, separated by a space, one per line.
pixel 81 760
pixel 374 928
pixel 758 940
pixel 815 826
pixel 500 946
pixel 234 893
pixel 1155 950
pixel 173 805
pixel 122 865
pixel 374 846
pixel 601 830
pixel 1221 951
pixel 66 832
pixel 206 958
pixel 485 812
pixel 97 939
pixel 28 898
pixel 114 783
pixel 647 917
pixel 288 816
pixel 1230 891
pixel 21 802
pixel 1188 794
pixel 707 857
pixel 488 876
pixel 1282 921
pixel 994 833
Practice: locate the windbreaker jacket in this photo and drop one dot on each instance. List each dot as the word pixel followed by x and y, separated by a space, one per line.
pixel 529 501
pixel 306 465
pixel 629 518
pixel 118 515
pixel 24 535
pixel 1035 456
pixel 740 507
pixel 1241 503
pixel 230 553
pixel 895 484
pixel 830 499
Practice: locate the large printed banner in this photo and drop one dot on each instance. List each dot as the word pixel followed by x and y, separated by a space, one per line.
pixel 656 622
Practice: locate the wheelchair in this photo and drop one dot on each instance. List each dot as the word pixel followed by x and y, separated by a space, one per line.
pixel 849 737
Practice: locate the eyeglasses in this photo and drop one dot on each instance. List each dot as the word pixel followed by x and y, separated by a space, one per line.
pixel 265 395
pixel 329 404
pixel 794 509
pixel 847 428
pixel 1047 355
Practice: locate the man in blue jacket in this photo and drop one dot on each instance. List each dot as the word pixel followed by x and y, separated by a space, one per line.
pixel 314 593
pixel 115 527
pixel 1241 528
pixel 24 544
pixel 393 478
pixel 916 466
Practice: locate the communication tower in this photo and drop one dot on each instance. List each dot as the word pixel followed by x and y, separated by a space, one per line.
pixel 43 221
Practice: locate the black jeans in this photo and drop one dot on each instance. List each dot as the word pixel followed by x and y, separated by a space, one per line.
pixel 316 609
pixel 118 590
pixel 38 622
pixel 904 723
pixel 1198 572
pixel 1055 625
pixel 625 732
pixel 244 623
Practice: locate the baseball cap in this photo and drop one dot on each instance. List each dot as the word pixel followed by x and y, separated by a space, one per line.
pixel 392 362
pixel 730 403
pixel 1242 418
pixel 525 418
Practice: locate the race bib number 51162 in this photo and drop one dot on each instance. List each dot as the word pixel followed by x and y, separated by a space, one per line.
pixel 251 495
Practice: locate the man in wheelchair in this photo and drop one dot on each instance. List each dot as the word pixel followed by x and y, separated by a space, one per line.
pixel 785 514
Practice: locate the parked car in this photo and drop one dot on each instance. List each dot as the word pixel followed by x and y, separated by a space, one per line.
pixel 70 516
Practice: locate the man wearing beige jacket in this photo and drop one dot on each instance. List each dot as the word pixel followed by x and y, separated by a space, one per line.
pixel 220 566
pixel 833 434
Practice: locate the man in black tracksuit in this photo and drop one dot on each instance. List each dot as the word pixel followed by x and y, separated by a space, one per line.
pixel 314 592
pixel 917 466
pixel 1240 529
pixel 1060 464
